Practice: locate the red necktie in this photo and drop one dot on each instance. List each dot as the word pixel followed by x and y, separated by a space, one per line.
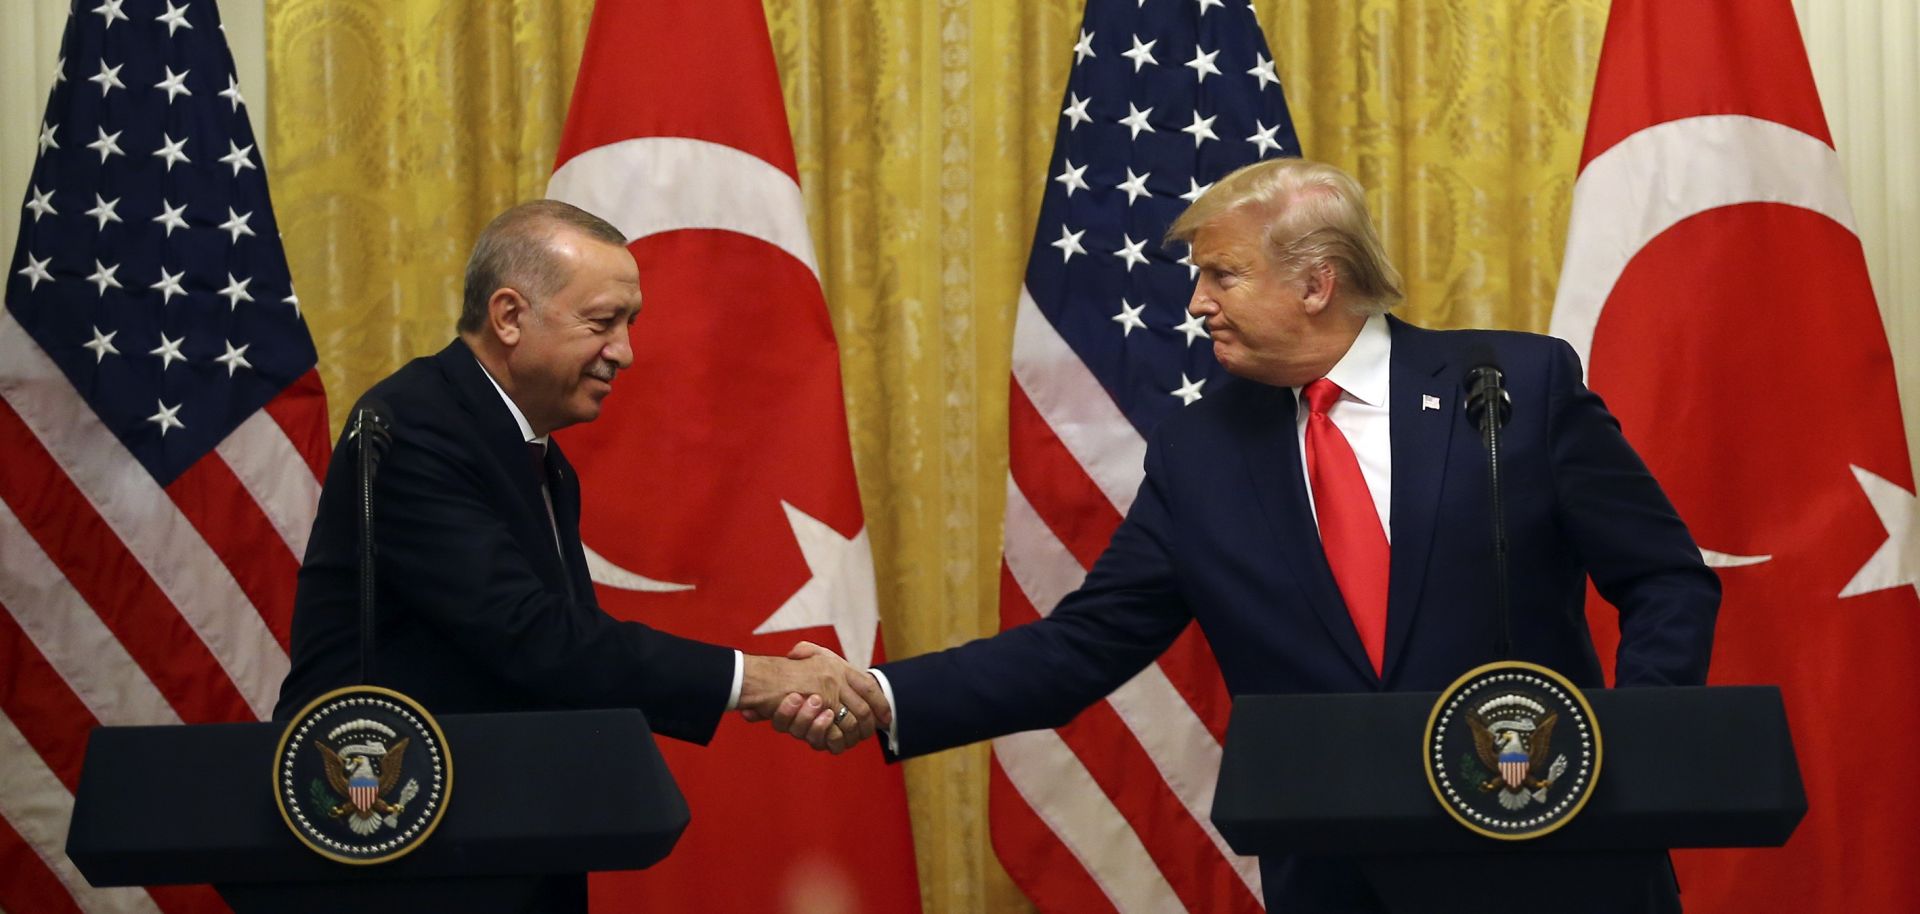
pixel 1349 524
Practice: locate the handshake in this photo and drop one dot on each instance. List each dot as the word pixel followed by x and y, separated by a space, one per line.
pixel 814 696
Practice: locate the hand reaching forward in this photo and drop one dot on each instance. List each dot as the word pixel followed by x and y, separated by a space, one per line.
pixel 807 695
pixel 804 720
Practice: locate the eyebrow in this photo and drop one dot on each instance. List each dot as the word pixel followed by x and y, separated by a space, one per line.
pixel 609 308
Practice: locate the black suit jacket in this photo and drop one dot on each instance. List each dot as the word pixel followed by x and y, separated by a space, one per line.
pixel 1221 532
pixel 477 609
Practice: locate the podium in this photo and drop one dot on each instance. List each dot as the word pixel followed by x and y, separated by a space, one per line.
pixel 1682 768
pixel 533 794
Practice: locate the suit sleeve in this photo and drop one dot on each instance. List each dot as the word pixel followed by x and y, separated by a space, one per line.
pixel 1631 540
pixel 449 556
pixel 1041 674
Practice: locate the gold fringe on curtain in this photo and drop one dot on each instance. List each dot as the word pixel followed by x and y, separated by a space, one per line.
pixel 922 132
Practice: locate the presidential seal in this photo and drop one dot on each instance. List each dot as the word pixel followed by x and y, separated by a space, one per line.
pixel 1512 750
pixel 362 775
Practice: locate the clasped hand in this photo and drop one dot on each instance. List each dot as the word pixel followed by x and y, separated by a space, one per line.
pixel 802 694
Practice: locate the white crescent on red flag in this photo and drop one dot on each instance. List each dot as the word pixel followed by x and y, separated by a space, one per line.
pixel 720 500
pixel 1715 283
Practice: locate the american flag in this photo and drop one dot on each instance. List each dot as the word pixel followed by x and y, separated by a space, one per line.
pixel 1165 97
pixel 162 425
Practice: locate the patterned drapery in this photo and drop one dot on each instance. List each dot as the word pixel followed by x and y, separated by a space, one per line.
pixel 922 132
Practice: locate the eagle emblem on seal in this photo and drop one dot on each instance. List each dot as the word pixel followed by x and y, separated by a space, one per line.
pixel 1512 750
pixel 363 775
pixel 1513 736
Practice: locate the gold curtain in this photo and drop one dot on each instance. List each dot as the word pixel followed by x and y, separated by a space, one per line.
pixel 396 130
pixel 1463 119
pixel 923 132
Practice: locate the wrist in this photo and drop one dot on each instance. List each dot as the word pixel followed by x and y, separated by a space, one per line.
pixel 756 679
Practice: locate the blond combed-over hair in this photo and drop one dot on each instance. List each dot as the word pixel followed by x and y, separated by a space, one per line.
pixel 1315 213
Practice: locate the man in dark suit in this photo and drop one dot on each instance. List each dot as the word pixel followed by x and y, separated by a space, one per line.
pixel 484 600
pixel 1324 516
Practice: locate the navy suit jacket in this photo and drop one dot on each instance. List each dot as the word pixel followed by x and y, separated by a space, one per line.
pixel 1221 532
pixel 477 610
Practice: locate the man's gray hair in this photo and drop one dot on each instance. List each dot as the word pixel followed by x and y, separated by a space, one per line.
pixel 1315 213
pixel 515 250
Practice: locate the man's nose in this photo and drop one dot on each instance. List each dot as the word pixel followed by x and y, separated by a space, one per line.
pixel 1201 304
pixel 619 350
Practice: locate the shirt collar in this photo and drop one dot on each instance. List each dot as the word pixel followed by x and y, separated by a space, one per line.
pixel 519 418
pixel 1363 372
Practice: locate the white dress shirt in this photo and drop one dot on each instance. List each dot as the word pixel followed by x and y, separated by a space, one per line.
pixel 526 433
pixel 1360 414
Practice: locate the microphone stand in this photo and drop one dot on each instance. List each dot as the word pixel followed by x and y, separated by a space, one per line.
pixel 1489 406
pixel 372 437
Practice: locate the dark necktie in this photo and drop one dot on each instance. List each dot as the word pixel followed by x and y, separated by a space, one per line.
pixel 1350 530
pixel 537 452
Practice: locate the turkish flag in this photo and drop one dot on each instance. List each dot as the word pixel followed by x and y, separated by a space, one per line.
pixel 719 495
pixel 1716 284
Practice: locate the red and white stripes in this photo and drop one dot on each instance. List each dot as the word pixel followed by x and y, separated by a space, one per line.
pixel 129 603
pixel 1111 811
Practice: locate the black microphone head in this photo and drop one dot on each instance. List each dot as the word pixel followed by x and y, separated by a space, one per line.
pixel 1480 359
pixel 372 425
pixel 373 407
pixel 1486 387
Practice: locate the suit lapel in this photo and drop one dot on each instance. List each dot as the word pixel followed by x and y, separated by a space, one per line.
pixel 1272 451
pixel 1420 435
pixel 500 438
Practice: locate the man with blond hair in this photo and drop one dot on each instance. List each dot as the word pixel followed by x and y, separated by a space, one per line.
pixel 1324 515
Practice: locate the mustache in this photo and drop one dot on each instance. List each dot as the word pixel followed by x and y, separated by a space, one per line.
pixel 603 370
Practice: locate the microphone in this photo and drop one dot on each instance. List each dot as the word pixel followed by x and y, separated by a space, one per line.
pixel 1488 408
pixel 370 429
pixel 1486 387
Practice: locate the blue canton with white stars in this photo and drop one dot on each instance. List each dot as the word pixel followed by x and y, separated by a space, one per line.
pixel 149 265
pixel 1165 97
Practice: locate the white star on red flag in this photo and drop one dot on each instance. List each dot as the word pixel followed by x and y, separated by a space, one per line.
pixel 1897 562
pixel 718 482
pixel 839 594
pixel 1714 104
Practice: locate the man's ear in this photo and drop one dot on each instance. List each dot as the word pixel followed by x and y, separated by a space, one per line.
pixel 1318 283
pixel 506 312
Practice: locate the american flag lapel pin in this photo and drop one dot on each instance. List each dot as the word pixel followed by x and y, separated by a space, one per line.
pixel 1429 401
